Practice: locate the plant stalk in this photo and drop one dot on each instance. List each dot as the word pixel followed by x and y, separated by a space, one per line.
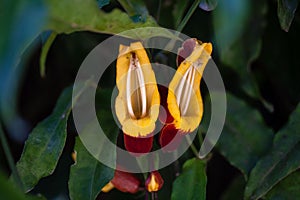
pixel 10 159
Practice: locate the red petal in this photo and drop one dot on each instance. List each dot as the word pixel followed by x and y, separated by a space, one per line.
pixel 170 138
pixel 138 145
pixel 186 50
pixel 126 182
pixel 164 115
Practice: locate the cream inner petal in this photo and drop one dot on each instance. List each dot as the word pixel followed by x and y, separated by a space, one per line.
pixel 136 90
pixel 184 90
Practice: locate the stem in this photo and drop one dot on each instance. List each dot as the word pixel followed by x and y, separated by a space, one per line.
pixel 176 163
pixel 158 11
pixel 182 24
pixel 146 195
pixel 10 159
pixel 200 138
pixel 188 15
pixel 44 53
pixel 192 146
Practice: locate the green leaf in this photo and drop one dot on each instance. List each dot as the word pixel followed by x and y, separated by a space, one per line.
pixel 191 184
pixel 136 9
pixel 208 5
pixel 45 144
pixel 245 137
pixel 239 26
pixel 84 15
pixel 22 21
pixel 283 159
pixel 9 191
pixel 287 189
pixel 286 10
pixel 87 176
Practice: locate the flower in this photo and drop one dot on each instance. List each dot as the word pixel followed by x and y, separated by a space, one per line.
pixel 123 181
pixel 137 104
pixel 184 102
pixel 154 182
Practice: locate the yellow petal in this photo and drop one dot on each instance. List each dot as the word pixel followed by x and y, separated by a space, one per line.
pixel 108 187
pixel 137 104
pixel 184 97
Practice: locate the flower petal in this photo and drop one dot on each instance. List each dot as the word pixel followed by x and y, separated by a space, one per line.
pixel 137 104
pixel 108 187
pixel 170 138
pixel 184 99
pixel 164 115
pixel 186 50
pixel 126 182
pixel 138 145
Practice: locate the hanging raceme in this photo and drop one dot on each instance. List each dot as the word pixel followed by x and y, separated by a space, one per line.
pixel 184 102
pixel 137 104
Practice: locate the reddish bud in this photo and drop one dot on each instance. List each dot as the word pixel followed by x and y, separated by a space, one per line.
pixel 154 182
pixel 186 50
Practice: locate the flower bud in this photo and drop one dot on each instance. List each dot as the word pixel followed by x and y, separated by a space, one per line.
pixel 154 182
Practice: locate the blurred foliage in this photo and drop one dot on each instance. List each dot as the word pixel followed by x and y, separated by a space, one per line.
pixel 244 127
pixel 286 12
pixel 282 159
pixel 9 191
pixel 255 47
pixel 287 189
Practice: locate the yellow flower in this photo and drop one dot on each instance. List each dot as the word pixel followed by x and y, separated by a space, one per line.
pixel 137 104
pixel 184 98
pixel 184 102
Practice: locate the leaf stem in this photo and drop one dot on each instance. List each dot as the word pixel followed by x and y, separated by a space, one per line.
pixel 10 159
pixel 192 146
pixel 200 138
pixel 182 24
pixel 158 11
pixel 44 53
pixel 188 15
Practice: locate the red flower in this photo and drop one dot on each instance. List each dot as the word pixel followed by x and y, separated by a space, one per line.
pixel 123 181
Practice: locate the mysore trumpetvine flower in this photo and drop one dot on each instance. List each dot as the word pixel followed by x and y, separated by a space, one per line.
pixel 184 102
pixel 137 104
pixel 123 181
pixel 154 182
